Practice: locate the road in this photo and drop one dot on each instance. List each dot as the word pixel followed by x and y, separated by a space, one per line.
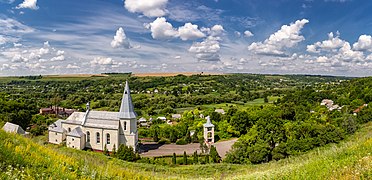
pixel 153 149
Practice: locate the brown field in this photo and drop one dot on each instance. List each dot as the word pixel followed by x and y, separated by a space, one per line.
pixel 173 74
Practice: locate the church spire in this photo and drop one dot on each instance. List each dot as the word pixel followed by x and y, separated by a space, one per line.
pixel 126 108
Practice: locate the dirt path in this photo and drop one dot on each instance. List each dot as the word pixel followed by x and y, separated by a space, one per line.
pixel 153 149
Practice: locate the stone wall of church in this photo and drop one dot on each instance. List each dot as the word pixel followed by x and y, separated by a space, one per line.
pixel 55 137
pixel 103 140
pixel 75 142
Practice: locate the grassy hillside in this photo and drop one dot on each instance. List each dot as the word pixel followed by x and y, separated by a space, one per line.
pixel 23 158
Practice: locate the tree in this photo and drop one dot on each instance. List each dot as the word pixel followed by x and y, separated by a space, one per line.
pixel 184 158
pixel 173 136
pixel 241 122
pixel 194 137
pixel 214 155
pixel 105 151
pixel 174 159
pixel 188 137
pixel 125 153
pixel 113 152
pixel 156 134
pixel 196 158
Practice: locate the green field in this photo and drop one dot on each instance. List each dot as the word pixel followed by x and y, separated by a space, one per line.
pixel 22 158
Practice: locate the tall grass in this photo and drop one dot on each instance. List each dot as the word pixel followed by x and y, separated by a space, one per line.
pixel 22 158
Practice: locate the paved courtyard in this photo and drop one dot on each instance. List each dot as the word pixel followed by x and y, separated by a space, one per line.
pixel 153 149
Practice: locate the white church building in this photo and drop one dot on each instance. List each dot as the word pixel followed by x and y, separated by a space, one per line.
pixel 97 129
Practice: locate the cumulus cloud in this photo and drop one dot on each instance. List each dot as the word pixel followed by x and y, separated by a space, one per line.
pixel 58 58
pixel 248 33
pixel 364 43
pixel 120 40
pixel 102 61
pixel 72 66
pixel 161 29
pixel 216 30
pixel 59 52
pixel 288 36
pixel 149 8
pixel 30 4
pixel 207 50
pixel 189 32
pixel 332 44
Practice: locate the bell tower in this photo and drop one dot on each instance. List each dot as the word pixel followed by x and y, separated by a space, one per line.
pixel 128 134
pixel 208 132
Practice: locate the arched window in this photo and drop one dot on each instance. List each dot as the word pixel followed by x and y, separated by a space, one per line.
pixel 108 138
pixel 69 129
pixel 88 136
pixel 98 138
pixel 125 125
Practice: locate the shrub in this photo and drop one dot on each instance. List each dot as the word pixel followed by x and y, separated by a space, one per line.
pixel 181 142
pixel 125 153
pixel 164 141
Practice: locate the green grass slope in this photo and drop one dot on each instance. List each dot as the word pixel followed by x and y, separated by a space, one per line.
pixel 22 158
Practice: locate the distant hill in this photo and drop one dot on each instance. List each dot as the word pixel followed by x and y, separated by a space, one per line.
pixel 23 158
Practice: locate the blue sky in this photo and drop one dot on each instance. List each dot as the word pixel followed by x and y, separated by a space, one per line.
pixel 329 37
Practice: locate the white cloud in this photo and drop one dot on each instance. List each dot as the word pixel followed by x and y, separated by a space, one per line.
pixel 149 8
pixel 17 58
pixel 30 4
pixel 217 30
pixel 2 40
pixel 72 66
pixel 102 61
pixel 120 40
pixel 161 29
pixel 288 36
pixel 207 50
pixel 59 52
pixel 58 58
pixel 13 27
pixel 332 44
pixel 364 43
pixel 190 32
pixel 248 33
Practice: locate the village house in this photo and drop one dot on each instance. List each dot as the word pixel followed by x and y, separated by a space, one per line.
pixel 221 111
pixel 98 129
pixel 13 128
pixel 176 116
pixel 63 112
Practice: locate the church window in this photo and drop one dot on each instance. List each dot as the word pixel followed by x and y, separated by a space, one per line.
pixel 98 138
pixel 56 133
pixel 125 92
pixel 69 129
pixel 108 138
pixel 125 125
pixel 88 136
pixel 72 139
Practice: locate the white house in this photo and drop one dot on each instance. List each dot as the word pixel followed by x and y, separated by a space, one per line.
pixel 97 129
pixel 13 128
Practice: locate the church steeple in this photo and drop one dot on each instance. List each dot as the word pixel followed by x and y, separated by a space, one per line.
pixel 126 108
